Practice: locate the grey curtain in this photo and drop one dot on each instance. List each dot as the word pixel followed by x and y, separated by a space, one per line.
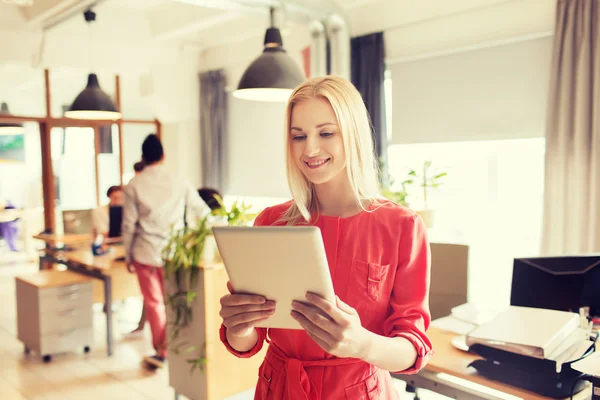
pixel 213 129
pixel 368 74
pixel 572 183
pixel 105 139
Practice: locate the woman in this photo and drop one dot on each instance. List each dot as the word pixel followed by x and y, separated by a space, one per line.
pixel 377 252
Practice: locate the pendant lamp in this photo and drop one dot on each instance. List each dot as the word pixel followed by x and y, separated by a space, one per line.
pixel 92 103
pixel 9 128
pixel 273 75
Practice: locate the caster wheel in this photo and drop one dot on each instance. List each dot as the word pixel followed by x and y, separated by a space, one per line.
pixel 27 350
pixel 86 349
pixel 47 358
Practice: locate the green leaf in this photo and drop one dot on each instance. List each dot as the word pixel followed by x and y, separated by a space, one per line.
pixel 190 298
pixel 189 349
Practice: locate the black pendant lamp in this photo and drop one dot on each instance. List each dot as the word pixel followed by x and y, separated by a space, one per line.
pixel 273 75
pixel 92 103
pixel 9 128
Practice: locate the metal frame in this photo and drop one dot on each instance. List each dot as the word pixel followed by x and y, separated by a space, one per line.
pixel 92 273
pixel 430 381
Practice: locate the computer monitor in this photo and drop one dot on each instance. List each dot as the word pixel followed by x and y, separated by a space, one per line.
pixel 115 218
pixel 564 283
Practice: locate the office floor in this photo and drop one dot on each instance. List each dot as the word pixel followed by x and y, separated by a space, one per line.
pixel 92 376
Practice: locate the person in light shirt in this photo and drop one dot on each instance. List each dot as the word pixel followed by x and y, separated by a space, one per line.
pixel 155 202
pixel 138 167
pixel 100 218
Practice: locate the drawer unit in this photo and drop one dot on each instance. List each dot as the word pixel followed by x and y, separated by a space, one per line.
pixel 54 312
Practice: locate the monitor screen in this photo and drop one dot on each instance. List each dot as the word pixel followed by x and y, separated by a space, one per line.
pixel 115 217
pixel 558 283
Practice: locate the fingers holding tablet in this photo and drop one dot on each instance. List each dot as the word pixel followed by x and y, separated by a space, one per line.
pixel 336 328
pixel 241 312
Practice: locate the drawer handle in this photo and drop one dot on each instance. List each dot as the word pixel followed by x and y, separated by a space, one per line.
pixel 68 289
pixel 70 311
pixel 65 333
pixel 69 296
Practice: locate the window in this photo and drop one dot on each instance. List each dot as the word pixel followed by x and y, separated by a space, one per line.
pixel 73 164
pixel 491 200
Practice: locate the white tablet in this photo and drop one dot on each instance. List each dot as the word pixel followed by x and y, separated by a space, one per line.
pixel 280 263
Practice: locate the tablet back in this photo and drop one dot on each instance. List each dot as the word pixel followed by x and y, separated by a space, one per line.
pixel 280 263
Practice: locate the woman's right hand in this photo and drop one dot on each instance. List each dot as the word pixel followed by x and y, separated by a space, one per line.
pixel 242 312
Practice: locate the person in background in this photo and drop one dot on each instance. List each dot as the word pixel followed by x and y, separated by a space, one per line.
pixel 155 201
pixel 138 167
pixel 208 195
pixel 100 215
pixel 9 230
pixel 378 255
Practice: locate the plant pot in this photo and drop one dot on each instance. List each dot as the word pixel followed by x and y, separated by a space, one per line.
pixel 210 252
pixel 222 375
pixel 190 342
pixel 428 217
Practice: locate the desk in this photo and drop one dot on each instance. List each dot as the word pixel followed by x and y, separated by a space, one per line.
pixel 449 360
pixel 52 239
pixel 100 267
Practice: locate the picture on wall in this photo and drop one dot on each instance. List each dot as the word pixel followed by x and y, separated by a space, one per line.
pixel 12 148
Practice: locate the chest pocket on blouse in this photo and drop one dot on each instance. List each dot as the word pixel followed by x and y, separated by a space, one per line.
pixel 368 291
pixel 368 278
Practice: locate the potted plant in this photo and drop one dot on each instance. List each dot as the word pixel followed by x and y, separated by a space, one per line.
pixel 186 255
pixel 397 196
pixel 237 215
pixel 428 180
pixel 388 185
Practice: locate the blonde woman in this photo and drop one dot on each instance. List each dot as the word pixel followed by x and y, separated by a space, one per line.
pixel 378 255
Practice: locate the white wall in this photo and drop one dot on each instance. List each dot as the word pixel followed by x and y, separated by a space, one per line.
pixel 256 147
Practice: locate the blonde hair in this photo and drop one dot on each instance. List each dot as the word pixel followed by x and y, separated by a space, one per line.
pixel 353 120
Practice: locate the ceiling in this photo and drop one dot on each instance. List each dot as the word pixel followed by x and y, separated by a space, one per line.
pixel 231 31
pixel 202 23
pixel 211 23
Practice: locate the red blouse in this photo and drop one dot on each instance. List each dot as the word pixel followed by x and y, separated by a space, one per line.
pixel 380 264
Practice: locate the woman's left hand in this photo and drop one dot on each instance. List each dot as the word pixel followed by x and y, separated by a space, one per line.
pixel 336 328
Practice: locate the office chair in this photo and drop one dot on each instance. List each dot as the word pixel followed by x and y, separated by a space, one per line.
pixel 448 286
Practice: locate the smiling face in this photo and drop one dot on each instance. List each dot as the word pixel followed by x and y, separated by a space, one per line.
pixel 316 142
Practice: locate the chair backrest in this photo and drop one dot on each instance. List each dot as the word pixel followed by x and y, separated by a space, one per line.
pixel 449 282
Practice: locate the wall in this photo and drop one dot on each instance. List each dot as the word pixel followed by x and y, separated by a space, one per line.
pixel 256 146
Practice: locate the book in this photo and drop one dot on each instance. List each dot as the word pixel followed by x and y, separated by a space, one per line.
pixel 533 332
